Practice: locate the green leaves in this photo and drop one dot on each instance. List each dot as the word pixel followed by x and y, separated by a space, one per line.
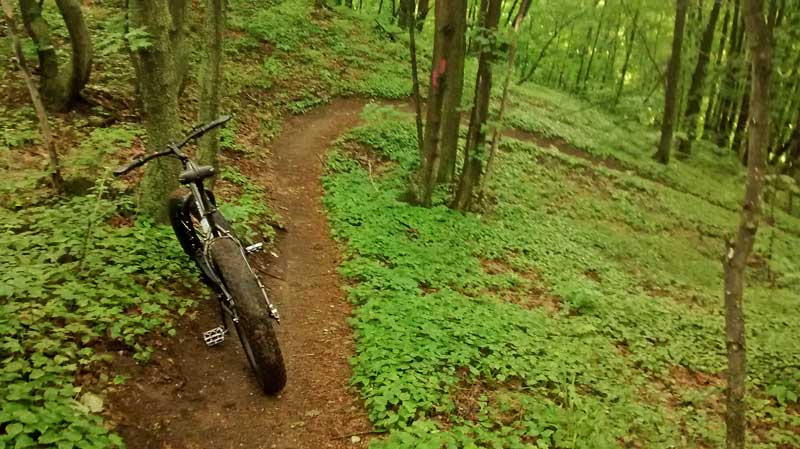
pixel 109 286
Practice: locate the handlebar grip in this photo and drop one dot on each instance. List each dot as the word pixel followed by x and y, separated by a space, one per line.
pixel 126 168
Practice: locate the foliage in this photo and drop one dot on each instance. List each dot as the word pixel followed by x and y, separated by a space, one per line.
pixel 575 312
pixel 74 282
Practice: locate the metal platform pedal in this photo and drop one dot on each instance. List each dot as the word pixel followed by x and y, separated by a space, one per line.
pixel 215 336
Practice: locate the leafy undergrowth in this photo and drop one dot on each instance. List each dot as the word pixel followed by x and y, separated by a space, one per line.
pixel 83 279
pixel 580 310
pixel 712 174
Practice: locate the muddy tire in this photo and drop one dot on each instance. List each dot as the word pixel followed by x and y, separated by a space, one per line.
pixel 255 324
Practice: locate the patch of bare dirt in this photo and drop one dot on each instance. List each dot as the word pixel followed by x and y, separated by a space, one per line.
pixel 564 147
pixel 531 294
pixel 193 397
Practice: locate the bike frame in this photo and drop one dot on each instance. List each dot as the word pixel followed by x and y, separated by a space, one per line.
pixel 207 211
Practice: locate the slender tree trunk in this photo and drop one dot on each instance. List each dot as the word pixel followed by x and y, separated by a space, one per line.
pixel 210 76
pixel 594 45
pixel 44 126
pixel 159 85
pixel 512 54
pixel 583 50
pixel 474 151
pixel 739 249
pixel 714 97
pixel 692 112
pixel 673 78
pixel 729 87
pixel 612 58
pixel 628 51
pixel 412 50
pixel 742 125
pixel 442 113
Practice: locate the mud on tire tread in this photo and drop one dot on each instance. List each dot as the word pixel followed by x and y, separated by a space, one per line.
pixel 254 320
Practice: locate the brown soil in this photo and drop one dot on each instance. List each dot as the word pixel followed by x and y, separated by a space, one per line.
pixel 191 397
pixel 564 147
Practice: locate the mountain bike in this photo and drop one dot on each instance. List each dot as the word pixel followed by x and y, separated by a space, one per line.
pixel 208 239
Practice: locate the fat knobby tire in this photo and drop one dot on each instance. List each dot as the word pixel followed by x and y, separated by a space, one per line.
pixel 255 325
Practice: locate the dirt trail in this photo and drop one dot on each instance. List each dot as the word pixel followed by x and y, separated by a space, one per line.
pixel 193 397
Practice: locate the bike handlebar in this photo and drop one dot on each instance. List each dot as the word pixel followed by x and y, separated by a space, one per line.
pixel 173 150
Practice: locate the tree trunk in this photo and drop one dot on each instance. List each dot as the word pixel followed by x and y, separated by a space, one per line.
pixel 44 126
pixel 673 78
pixel 159 85
pixel 451 106
pixel 177 10
pixel 474 151
pixel 713 102
pixel 594 46
pixel 628 51
pixel 442 112
pixel 412 50
pixel 512 54
pixel 60 86
pixel 739 249
pixel 728 99
pixel 210 76
pixel 742 124
pixel 692 112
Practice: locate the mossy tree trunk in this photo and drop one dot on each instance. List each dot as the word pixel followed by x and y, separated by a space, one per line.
pixel 60 86
pixel 210 76
pixel 738 250
pixel 475 149
pixel 673 79
pixel 158 84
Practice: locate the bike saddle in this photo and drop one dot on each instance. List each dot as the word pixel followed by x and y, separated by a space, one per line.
pixel 200 173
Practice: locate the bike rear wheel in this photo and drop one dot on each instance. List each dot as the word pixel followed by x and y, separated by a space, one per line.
pixel 255 328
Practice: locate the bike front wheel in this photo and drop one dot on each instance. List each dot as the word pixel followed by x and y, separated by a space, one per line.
pixel 254 326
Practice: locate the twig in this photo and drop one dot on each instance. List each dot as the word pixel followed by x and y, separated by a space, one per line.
pixel 366 432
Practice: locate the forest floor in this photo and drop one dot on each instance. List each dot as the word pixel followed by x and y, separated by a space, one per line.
pixel 193 397
pixel 578 306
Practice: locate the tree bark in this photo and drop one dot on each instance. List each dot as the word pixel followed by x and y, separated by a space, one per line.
pixel 739 249
pixel 210 76
pixel 594 46
pixel 60 86
pixel 158 83
pixel 628 51
pixel 442 112
pixel 727 111
pixel 177 10
pixel 692 112
pixel 673 79
pixel 474 151
pixel 412 50
pixel 451 107
pixel 512 54
pixel 44 126
pixel 713 101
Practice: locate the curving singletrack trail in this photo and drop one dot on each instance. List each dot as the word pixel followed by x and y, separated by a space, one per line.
pixel 193 397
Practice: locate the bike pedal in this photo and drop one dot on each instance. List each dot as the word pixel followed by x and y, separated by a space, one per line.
pixel 254 248
pixel 215 336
